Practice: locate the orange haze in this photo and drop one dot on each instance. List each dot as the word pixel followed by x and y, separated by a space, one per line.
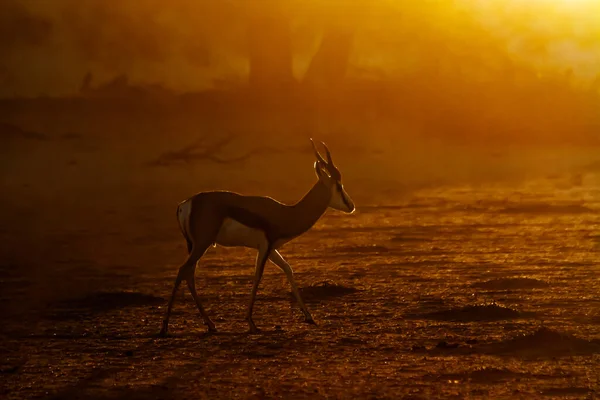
pixel 47 47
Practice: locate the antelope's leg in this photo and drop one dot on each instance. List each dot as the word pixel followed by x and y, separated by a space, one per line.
pixel 186 272
pixel 278 260
pixel 181 275
pixel 191 281
pixel 261 259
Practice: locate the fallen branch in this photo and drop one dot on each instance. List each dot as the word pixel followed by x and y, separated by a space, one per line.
pixel 13 131
pixel 202 151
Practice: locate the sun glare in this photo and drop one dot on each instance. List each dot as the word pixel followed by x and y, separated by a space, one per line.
pixel 565 3
pixel 578 4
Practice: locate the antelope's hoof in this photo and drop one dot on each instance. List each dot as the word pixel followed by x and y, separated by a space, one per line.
pixel 310 321
pixel 212 329
pixel 163 330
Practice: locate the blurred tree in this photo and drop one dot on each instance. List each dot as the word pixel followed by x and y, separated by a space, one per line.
pixel 86 83
pixel 329 65
pixel 270 53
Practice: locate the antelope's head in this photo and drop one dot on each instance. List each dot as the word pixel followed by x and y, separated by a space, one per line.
pixel 332 178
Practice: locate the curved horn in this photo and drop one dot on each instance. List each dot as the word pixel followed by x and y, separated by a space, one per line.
pixel 319 157
pixel 329 160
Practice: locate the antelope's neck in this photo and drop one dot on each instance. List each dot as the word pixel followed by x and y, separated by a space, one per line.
pixel 309 209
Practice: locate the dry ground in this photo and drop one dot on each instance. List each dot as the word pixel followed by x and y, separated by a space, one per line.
pixel 475 291
pixel 439 297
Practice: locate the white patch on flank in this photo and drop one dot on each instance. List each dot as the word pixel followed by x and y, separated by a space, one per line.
pixel 183 215
pixel 233 233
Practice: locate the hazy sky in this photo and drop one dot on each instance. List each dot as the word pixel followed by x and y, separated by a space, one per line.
pixel 47 46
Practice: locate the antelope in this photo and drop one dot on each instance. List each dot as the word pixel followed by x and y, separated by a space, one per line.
pixel 233 220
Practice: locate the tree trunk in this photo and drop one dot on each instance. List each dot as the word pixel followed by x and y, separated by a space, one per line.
pixel 270 54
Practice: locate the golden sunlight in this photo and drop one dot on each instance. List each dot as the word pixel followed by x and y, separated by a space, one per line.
pixel 578 2
pixel 419 181
pixel 551 2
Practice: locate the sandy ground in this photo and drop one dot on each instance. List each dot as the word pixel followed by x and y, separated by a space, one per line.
pixel 453 293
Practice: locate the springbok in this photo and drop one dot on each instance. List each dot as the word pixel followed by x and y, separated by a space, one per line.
pixel 262 223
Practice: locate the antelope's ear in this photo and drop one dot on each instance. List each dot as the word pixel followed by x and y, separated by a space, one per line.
pixel 321 170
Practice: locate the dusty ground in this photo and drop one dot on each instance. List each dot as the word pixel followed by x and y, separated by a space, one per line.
pixel 480 291
pixel 454 293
